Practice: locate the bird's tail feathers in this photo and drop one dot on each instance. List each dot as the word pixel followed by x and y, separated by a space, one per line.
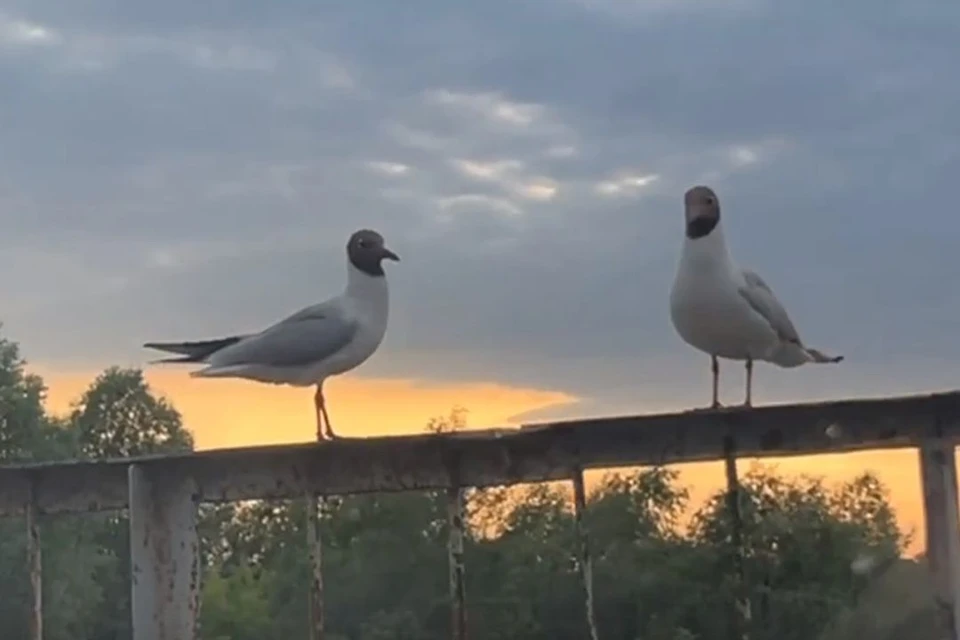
pixel 196 351
pixel 820 357
pixel 168 360
pixel 794 354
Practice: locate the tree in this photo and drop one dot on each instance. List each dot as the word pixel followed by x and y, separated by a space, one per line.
pixel 119 416
pixel 642 558
pixel 800 542
pixel 70 557
pixel 236 606
pixel 24 427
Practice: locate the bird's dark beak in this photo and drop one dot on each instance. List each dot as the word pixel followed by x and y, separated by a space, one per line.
pixel 390 255
pixel 694 213
pixel 700 215
pixel 700 222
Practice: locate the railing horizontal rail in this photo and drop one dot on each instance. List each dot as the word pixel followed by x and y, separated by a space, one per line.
pixel 534 453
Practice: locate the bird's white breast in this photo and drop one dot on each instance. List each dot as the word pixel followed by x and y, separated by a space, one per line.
pixel 367 302
pixel 710 314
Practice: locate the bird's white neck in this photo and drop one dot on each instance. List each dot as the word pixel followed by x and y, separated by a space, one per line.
pixel 709 252
pixel 364 286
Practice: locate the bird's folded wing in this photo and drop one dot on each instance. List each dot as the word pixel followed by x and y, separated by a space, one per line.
pixel 760 297
pixel 309 335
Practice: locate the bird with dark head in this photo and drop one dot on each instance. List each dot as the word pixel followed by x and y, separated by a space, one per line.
pixel 316 342
pixel 702 211
pixel 367 251
pixel 726 311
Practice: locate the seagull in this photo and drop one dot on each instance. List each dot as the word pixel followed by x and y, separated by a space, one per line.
pixel 316 342
pixel 726 311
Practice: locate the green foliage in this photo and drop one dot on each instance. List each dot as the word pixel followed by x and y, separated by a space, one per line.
pixel 235 605
pixel 25 431
pixel 70 558
pixel 656 576
pixel 800 542
pixel 119 416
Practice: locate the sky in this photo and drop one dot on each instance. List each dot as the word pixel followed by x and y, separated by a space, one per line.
pixel 175 170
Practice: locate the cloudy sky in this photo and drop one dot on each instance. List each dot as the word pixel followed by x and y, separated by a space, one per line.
pixel 181 170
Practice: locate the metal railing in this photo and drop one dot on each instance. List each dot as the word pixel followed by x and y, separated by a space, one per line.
pixel 163 493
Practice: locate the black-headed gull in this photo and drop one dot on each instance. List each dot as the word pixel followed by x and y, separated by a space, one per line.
pixel 317 342
pixel 726 311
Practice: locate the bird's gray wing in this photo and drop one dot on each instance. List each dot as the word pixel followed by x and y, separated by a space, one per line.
pixel 760 297
pixel 307 336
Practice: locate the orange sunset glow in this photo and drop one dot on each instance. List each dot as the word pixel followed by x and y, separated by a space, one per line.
pixel 228 413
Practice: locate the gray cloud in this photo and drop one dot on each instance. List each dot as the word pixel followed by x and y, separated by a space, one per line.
pixel 170 170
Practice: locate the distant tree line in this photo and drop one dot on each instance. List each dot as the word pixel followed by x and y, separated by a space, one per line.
pixel 822 562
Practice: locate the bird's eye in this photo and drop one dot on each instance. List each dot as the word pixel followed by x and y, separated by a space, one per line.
pixel 709 201
pixel 362 244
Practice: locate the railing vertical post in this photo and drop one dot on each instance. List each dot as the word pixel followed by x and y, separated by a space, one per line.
pixel 315 552
pixel 34 564
pixel 742 614
pixel 164 555
pixel 584 561
pixel 938 472
pixel 457 569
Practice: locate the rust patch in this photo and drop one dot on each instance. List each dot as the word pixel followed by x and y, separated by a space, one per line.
pixel 34 562
pixel 458 590
pixel 742 612
pixel 584 561
pixel 315 551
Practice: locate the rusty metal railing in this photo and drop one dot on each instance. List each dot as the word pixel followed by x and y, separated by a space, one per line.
pixel 163 493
